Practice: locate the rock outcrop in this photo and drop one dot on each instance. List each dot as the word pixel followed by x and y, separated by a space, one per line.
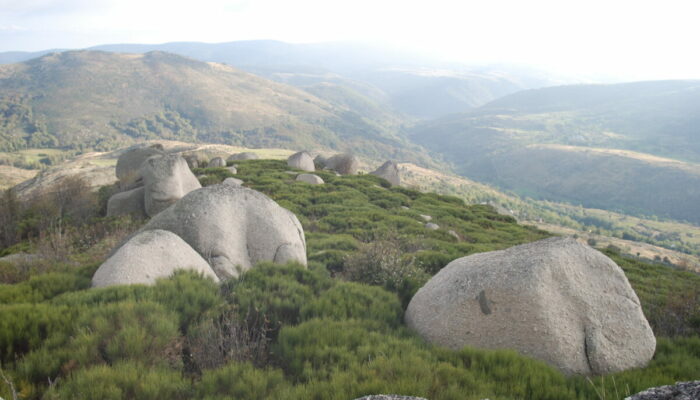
pixel 310 178
pixel 129 165
pixel 556 300
pixel 389 171
pixel 432 226
pixel 166 179
pixel 234 228
pixel 232 182
pixel 130 202
pixel 344 164
pixel 242 156
pixel 148 256
pixel 216 162
pixel 154 184
pixel 679 391
pixel 301 160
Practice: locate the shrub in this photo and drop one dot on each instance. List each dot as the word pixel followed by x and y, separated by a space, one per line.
pixel 229 336
pixel 243 381
pixel 42 287
pixel 24 327
pixel 277 291
pixel 124 380
pixel 349 300
pixel 189 294
pixel 144 332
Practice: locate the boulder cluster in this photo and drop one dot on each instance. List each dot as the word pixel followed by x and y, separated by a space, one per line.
pixel 150 180
pixel 218 231
pixel 555 300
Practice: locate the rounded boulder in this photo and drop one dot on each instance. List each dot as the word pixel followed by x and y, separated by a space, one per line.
pixel 242 156
pixel 148 256
pixel 555 300
pixel 166 179
pixel 234 228
pixel 310 178
pixel 301 160
pixel 344 164
pixel 389 171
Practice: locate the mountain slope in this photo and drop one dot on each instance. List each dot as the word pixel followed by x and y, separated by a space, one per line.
pixel 409 83
pixel 550 144
pixel 99 99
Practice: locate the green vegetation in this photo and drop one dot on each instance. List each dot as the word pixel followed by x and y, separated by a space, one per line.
pixel 556 144
pixel 330 331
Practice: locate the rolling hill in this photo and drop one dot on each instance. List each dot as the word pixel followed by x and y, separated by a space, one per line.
pixel 415 85
pixel 626 147
pixel 102 100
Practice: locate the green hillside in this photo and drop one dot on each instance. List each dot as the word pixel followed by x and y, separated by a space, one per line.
pixel 333 331
pixel 551 144
pixel 90 99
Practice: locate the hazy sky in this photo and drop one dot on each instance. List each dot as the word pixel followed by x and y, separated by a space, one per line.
pixel 629 38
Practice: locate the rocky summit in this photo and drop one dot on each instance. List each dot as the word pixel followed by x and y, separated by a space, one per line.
pixel 556 300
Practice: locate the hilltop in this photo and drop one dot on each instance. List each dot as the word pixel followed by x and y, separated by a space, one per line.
pixel 94 99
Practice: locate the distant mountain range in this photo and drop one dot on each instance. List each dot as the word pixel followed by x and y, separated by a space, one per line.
pixel 96 99
pixel 555 143
pixel 410 84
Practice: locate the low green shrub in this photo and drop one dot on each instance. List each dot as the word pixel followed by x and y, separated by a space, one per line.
pixel 276 291
pixel 243 381
pixel 122 381
pixel 144 332
pixel 349 300
pixel 42 287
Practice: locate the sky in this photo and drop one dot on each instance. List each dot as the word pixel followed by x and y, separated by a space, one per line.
pixel 636 39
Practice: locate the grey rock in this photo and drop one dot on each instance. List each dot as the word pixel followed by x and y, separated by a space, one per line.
pixel 405 208
pixel 344 164
pixel 389 397
pixel 454 235
pixel 310 178
pixel 192 160
pixel 217 162
pixel 679 391
pixel 389 171
pixel 301 160
pixel 234 228
pixel 232 169
pixel 320 162
pixel 129 164
pixel 426 217
pixel 148 256
pixel 555 300
pixel 130 202
pixel 432 226
pixel 166 179
pixel 242 156
pixel 232 182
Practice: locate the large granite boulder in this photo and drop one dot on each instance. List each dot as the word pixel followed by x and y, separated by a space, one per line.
pixel 679 391
pixel 216 162
pixel 130 202
pixel 556 300
pixel 166 179
pixel 310 178
pixel 148 256
pixel 234 228
pixel 344 164
pixel 389 171
pixel 301 160
pixel 242 156
pixel 129 164
pixel 320 162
